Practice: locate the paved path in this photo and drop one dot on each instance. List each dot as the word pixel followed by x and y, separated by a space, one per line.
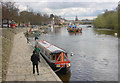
pixel 20 66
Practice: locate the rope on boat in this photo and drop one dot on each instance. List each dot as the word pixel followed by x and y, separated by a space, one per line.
pixel 58 69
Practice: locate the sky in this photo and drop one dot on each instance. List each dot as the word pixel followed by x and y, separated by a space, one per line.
pixel 68 9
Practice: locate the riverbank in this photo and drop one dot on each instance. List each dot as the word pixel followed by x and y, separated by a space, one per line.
pixel 107 31
pixel 20 66
pixel 108 20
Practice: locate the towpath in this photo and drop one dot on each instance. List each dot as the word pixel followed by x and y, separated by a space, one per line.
pixel 20 66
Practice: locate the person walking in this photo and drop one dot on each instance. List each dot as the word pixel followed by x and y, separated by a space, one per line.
pixel 36 38
pixel 27 37
pixel 37 49
pixel 35 59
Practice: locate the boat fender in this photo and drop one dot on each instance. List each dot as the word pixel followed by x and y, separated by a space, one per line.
pixel 71 54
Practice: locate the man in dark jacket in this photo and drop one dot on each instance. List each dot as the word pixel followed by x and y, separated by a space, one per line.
pixel 35 59
pixel 36 38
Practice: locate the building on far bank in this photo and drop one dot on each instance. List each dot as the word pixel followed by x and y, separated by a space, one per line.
pixel 6 23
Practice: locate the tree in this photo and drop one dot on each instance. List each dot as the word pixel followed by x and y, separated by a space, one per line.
pixel 51 16
pixel 9 11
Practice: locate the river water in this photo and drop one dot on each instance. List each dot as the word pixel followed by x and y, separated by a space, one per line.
pixel 95 53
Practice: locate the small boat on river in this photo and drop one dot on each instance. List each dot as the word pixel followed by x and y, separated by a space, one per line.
pixel 34 33
pixel 74 28
pixel 55 56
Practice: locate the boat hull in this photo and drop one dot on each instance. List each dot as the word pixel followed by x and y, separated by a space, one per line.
pixel 74 30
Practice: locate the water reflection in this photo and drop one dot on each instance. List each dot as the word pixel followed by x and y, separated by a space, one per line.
pixel 75 33
pixel 65 77
pixel 104 31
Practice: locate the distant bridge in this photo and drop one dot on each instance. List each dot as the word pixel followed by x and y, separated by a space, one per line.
pixel 80 21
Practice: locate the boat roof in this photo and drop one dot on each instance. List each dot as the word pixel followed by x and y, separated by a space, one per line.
pixel 50 47
pixel 71 26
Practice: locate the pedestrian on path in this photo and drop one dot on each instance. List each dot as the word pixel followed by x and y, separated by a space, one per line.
pixel 36 38
pixel 37 49
pixel 27 37
pixel 35 59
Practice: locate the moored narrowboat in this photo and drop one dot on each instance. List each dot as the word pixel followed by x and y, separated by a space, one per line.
pixel 55 56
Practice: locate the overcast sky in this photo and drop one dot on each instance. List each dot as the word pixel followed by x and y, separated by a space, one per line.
pixel 84 9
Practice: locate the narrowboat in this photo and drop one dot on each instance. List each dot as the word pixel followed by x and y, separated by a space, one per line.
pixel 55 56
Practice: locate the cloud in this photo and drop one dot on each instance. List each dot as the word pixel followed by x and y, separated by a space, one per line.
pixel 62 5
pixel 70 9
pixel 21 7
pixel 65 0
pixel 80 12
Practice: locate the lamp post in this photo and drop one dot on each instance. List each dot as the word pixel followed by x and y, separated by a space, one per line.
pixel 27 19
pixel 53 22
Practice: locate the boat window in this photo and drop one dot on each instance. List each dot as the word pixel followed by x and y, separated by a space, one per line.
pixel 41 48
pixel 46 52
pixel 59 57
pixel 65 57
pixel 53 57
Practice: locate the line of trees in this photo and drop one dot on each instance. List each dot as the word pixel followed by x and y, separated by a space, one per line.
pixel 109 19
pixel 11 12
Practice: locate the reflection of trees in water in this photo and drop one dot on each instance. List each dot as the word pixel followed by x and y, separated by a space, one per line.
pixel 64 77
pixel 106 32
pixel 56 30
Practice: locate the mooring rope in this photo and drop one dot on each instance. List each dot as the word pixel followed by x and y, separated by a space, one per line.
pixel 58 69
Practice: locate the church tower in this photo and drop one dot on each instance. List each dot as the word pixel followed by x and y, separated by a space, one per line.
pixel 76 19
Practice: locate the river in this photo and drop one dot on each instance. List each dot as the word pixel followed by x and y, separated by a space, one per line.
pixel 95 53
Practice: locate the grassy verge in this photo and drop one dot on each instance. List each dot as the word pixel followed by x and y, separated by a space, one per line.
pixel 7 44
